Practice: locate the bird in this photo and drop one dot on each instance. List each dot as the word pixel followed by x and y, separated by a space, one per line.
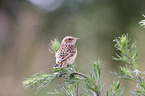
pixel 66 53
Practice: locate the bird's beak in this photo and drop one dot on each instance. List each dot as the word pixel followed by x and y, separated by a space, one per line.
pixel 77 38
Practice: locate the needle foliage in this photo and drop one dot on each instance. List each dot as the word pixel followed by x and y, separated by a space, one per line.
pixel 72 76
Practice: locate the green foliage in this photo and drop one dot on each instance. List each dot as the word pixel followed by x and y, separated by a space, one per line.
pixel 98 67
pixel 72 77
pixel 142 22
pixel 115 89
pixel 54 45
pixel 140 91
pixel 68 90
pixel 129 54
pixel 93 84
pixel 40 78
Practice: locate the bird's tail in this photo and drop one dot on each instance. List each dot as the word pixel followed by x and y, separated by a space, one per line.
pixel 58 66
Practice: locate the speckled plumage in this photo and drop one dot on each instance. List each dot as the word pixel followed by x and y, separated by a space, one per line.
pixel 67 52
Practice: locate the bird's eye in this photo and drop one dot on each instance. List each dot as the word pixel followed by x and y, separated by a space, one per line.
pixel 69 38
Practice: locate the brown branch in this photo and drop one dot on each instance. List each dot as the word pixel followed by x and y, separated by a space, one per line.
pixel 77 73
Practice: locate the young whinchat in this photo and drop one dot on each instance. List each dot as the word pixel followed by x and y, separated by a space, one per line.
pixel 67 52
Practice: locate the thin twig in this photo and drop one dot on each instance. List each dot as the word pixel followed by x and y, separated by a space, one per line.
pixel 77 91
pixel 77 73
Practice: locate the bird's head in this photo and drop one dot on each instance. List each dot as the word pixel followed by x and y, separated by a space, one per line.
pixel 69 40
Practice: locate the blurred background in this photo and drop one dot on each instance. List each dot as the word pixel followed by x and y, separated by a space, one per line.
pixel 28 26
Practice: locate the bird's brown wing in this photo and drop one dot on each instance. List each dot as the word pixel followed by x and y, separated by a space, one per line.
pixel 62 58
pixel 66 55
